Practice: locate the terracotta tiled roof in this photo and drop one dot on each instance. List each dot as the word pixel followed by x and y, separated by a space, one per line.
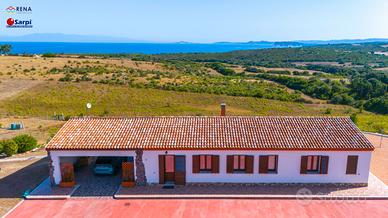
pixel 229 132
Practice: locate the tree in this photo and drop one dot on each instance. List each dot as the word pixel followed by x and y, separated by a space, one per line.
pixel 378 105
pixel 4 49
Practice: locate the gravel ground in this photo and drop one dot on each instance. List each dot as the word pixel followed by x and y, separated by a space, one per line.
pixel 92 185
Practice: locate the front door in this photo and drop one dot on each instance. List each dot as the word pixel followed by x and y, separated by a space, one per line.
pixel 180 170
pixel 172 168
pixel 169 168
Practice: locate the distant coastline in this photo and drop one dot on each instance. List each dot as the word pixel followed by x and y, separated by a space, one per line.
pixel 127 48
pixel 70 45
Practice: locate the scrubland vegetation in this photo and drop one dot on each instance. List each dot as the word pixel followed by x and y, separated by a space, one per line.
pixel 340 80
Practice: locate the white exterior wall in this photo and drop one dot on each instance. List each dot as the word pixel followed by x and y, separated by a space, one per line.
pixel 288 166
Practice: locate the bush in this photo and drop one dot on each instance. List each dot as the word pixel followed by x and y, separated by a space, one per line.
pixel 9 147
pixel 328 110
pixel 25 143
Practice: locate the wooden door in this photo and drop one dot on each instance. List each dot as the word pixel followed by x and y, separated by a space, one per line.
pixel 180 170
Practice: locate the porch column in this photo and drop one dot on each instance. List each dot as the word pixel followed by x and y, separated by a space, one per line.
pixel 141 179
pixel 51 168
pixel 54 168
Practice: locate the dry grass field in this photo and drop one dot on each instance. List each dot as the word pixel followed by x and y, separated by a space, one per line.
pixel 29 88
pixel 40 128
pixel 31 94
pixel 18 65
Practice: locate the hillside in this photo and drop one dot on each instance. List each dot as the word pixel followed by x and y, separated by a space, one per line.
pixel 44 87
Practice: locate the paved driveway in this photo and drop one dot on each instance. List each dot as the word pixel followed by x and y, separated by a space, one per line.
pixel 92 185
pixel 108 207
pixel 379 161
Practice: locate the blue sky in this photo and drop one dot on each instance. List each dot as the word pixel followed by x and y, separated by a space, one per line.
pixel 206 20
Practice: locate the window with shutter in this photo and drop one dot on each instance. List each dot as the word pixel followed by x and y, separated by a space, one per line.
pixel 314 164
pixel 268 164
pixel 239 163
pixel 351 166
pixel 205 164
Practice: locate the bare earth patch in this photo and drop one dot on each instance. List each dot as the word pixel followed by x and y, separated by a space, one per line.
pixel 12 87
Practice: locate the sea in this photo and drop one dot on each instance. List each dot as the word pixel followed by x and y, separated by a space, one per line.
pixel 127 48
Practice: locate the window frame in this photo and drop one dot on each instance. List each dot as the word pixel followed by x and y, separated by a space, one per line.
pixel 275 170
pixel 356 166
pixel 318 166
pixel 206 170
pixel 239 163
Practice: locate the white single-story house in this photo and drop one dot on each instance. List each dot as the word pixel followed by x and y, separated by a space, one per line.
pixel 220 149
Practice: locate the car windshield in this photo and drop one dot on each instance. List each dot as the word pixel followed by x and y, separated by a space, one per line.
pixel 103 161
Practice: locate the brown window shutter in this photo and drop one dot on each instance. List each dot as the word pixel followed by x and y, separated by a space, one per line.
pixel 229 164
pixel 215 164
pixel 263 164
pixel 303 165
pixel 195 163
pixel 351 167
pixel 324 165
pixel 249 164
pixel 161 169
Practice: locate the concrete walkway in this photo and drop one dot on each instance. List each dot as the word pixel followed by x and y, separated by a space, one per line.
pixel 22 158
pixel 376 189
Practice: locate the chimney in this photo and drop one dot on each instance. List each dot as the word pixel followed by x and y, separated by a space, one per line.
pixel 223 109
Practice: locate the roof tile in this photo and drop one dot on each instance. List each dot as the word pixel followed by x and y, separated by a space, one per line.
pixel 229 132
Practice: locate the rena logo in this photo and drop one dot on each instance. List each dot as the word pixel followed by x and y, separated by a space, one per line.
pixel 15 23
pixel 18 10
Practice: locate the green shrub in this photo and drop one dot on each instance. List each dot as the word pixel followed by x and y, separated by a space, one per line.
pixel 25 143
pixel 9 147
pixel 328 111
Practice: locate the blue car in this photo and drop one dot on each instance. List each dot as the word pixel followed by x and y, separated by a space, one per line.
pixel 106 166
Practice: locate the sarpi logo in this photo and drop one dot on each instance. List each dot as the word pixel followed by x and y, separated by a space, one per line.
pixel 18 10
pixel 15 23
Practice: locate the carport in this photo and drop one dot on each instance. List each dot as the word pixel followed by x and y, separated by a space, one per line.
pixel 78 166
